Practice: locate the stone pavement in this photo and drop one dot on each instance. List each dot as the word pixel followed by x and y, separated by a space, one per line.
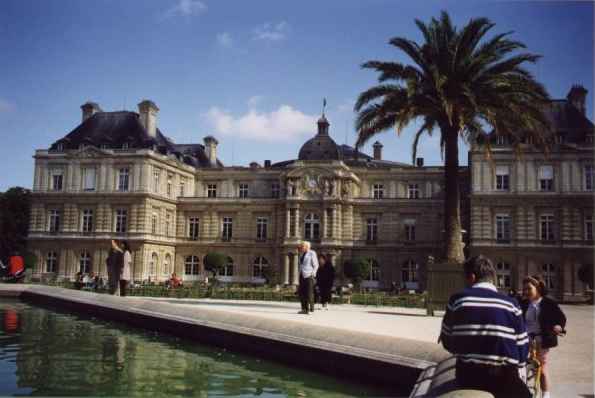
pixel 571 363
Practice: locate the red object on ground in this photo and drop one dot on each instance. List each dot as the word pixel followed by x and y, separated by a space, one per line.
pixel 16 265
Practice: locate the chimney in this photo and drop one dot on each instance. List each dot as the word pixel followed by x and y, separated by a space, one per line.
pixel 89 109
pixel 147 111
pixel 377 151
pixel 267 163
pixel 211 149
pixel 576 96
pixel 420 162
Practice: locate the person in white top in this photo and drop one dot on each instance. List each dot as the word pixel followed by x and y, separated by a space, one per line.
pixel 126 269
pixel 308 266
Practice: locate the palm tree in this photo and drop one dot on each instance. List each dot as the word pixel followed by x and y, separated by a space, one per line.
pixel 462 85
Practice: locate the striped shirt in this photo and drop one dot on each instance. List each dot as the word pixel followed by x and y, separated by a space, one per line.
pixel 485 327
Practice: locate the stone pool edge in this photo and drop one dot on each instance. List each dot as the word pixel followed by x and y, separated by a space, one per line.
pixel 390 361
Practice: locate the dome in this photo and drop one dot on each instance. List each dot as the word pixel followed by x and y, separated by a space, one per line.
pixel 322 146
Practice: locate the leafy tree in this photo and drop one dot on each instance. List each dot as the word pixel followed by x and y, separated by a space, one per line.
pixel 462 85
pixel 357 269
pixel 15 208
pixel 214 262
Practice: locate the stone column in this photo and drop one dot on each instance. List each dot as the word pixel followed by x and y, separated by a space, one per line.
pixel 295 272
pixel 324 223
pixel 288 221
pixel 334 232
pixel 297 222
pixel 285 269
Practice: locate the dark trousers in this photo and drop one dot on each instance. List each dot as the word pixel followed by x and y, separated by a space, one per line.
pixel 325 294
pixel 306 292
pixel 123 285
pixel 501 381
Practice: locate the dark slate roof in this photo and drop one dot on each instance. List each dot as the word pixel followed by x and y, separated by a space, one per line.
pixel 320 147
pixel 114 129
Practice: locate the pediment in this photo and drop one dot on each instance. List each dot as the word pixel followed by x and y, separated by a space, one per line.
pixel 88 152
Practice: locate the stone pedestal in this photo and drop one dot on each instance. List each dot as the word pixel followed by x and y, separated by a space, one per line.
pixel 443 279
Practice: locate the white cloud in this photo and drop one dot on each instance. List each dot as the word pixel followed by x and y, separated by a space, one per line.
pixel 6 107
pixel 254 101
pixel 271 32
pixel 346 107
pixel 186 8
pixel 283 124
pixel 224 39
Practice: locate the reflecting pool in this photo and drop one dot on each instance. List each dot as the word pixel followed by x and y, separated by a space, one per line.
pixel 53 353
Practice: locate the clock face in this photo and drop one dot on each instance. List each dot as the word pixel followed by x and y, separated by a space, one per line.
pixel 311 183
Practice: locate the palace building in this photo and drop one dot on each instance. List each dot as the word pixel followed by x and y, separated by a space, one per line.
pixel 117 175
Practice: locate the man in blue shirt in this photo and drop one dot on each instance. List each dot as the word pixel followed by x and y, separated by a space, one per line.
pixel 486 332
pixel 308 265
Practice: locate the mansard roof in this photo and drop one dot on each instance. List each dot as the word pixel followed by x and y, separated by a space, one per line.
pixel 114 129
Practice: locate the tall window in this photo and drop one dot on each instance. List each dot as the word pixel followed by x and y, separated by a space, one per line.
pixel 312 227
pixel 413 191
pixel 153 264
pixel 168 224
pixel 546 224
pixel 193 228
pixel 549 275
pixel 57 179
pixel 211 190
pixel 51 262
pixel 588 227
pixel 503 275
pixel 503 228
pixel 243 190
pixel 121 220
pixel 546 178
pixel 182 188
pixel 123 179
pixel 329 223
pixel 261 228
pixel 156 176
pixel 85 262
pixel 259 267
pixel 409 230
pixel 227 228
pixel 89 178
pixel 589 177
pixel 275 190
pixel 410 270
pixel 228 268
pixel 292 216
pixel 87 220
pixel 372 229
pixel 191 265
pixel 166 265
pixel 378 191
pixel 501 140
pixel 154 224
pixel 374 270
pixel 54 221
pixel 502 178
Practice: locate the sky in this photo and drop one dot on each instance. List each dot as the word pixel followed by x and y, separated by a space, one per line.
pixel 251 73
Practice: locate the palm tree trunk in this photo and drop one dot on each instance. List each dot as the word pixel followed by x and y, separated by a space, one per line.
pixel 452 206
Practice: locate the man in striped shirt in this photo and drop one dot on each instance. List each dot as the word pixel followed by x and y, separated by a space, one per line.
pixel 486 332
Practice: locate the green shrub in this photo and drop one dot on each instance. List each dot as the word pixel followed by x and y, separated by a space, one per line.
pixel 357 269
pixel 214 262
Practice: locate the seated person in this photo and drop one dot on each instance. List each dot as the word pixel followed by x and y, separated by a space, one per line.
pixel 16 266
pixel 174 281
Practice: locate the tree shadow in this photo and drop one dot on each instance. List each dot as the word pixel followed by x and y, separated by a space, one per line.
pixel 395 313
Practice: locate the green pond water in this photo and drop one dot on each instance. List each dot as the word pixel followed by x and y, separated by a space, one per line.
pixel 46 352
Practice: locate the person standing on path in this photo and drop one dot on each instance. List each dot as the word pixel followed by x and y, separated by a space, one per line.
pixel 486 332
pixel 126 269
pixel 324 279
pixel 308 266
pixel 115 261
pixel 545 322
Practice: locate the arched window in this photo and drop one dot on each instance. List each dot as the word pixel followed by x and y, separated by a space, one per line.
pixel 167 264
pixel 153 264
pixel 85 262
pixel 409 272
pixel 374 270
pixel 191 265
pixel 503 275
pixel 51 262
pixel 549 275
pixel 312 226
pixel 228 268
pixel 259 266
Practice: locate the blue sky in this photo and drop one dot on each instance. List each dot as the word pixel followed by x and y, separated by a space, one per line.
pixel 252 73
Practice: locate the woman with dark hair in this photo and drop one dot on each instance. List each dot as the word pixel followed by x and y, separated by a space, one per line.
pixel 126 269
pixel 545 322
pixel 324 279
